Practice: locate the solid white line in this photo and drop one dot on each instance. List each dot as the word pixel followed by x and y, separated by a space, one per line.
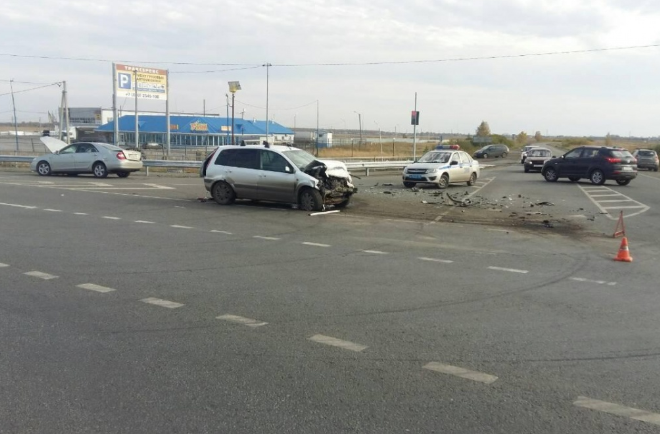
pixel 443 261
pixel 181 227
pixel 600 282
pixel 220 232
pixel 80 213
pixel 17 206
pixel 618 410
pixel 511 270
pixel 327 340
pixel 110 217
pixel 163 303
pixel 375 252
pixel 315 244
pixel 94 287
pixel 242 320
pixel 101 184
pixel 616 200
pixel 625 207
pixel 605 195
pixel 460 372
pixel 144 221
pixel 3 265
pixel 160 187
pixel 52 210
pixel 265 238
pixel 40 275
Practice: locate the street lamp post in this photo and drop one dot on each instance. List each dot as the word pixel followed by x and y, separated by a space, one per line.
pixel 227 96
pixel 380 138
pixel 234 86
pixel 360 122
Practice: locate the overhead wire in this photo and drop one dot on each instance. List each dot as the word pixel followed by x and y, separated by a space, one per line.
pixel 31 89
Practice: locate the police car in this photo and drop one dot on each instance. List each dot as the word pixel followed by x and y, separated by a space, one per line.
pixel 441 168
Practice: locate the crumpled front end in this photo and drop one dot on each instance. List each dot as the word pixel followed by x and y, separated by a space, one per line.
pixel 335 183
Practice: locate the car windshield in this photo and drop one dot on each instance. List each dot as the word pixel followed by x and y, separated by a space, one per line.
pixel 299 157
pixel 435 157
pixel 539 153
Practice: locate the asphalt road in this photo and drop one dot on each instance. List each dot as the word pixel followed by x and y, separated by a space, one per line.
pixel 128 306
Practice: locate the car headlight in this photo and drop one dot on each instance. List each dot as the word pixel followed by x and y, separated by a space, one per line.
pixel 431 170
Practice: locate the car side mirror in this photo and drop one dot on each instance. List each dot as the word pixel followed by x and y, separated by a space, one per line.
pixel 287 169
pixel 562 157
pixel 57 152
pixel 453 163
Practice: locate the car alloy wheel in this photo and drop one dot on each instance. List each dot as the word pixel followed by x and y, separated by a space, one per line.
pixel 310 200
pixel 444 181
pixel 43 168
pixel 222 193
pixel 597 177
pixel 472 180
pixel 550 174
pixel 100 171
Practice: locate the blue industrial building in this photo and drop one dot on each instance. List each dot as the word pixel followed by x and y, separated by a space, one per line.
pixel 194 130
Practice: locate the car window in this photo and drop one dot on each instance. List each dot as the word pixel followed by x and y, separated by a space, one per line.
pixel 455 158
pixel 69 149
pixel 575 153
pixel 620 153
pixel 589 153
pixel 274 162
pixel 245 158
pixel 85 148
pixel 646 153
pixel 465 158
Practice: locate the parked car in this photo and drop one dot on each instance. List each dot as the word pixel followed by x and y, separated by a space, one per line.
pixel 152 145
pixel 99 159
pixel 276 174
pixel 492 151
pixel 442 168
pixel 646 159
pixel 597 164
pixel 525 151
pixel 536 158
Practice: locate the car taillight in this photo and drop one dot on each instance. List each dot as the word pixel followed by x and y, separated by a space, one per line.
pixel 613 160
pixel 121 155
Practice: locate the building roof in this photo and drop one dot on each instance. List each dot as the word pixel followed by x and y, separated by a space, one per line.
pixel 194 125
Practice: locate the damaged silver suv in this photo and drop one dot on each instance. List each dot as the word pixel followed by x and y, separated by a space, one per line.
pixel 276 174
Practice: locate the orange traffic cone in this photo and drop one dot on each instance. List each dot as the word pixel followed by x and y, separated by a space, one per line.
pixel 624 253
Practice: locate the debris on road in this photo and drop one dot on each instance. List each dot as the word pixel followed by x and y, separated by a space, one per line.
pixel 334 211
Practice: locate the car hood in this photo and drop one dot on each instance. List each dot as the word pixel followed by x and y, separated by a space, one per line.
pixel 53 144
pixel 336 168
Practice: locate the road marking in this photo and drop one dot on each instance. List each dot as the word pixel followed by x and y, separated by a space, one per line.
pixel 101 184
pixel 3 265
pixel 615 200
pixel 52 210
pixel 45 182
pixel 498 230
pixel 215 231
pixel 265 238
pixel 160 187
pixel 160 302
pixel 145 222
pixel 510 270
pixel 315 244
pixel 327 340
pixel 460 372
pixel 110 217
pixel 442 261
pixel 18 206
pixel 40 275
pixel 618 410
pixel 610 193
pixel 242 320
pixel 80 213
pixel 181 227
pixel 375 252
pixel 94 287
pixel 600 282
pixel 624 207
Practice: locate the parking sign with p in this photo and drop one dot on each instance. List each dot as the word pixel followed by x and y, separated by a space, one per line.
pixel 124 80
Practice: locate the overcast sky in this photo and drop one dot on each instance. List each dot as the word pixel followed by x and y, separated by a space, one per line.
pixel 569 94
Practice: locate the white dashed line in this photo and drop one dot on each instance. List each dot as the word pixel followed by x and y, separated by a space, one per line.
pixel 242 320
pixel 3 265
pixel 101 184
pixel 327 340
pixel 163 303
pixel 460 372
pixel 52 210
pixel 618 410
pixel 40 275
pixel 510 270
pixel 265 238
pixel 375 252
pixel 315 244
pixel 215 231
pixel 94 287
pixel 110 217
pixel 600 282
pixel 180 227
pixel 145 222
pixel 18 206
pixel 160 187
pixel 80 213
pixel 442 261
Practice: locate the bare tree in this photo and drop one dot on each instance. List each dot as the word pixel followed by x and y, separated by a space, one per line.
pixel 483 130
pixel 538 137
pixel 608 140
pixel 521 138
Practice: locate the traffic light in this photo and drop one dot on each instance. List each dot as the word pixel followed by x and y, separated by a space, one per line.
pixel 414 118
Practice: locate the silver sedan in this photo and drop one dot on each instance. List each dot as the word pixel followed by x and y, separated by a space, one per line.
pixel 99 159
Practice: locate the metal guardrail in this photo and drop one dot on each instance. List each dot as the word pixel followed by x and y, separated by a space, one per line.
pixel 15 159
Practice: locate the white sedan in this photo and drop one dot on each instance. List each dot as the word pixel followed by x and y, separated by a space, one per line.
pixel 100 159
pixel 442 167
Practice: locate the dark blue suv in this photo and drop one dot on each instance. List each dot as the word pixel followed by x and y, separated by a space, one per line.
pixel 597 164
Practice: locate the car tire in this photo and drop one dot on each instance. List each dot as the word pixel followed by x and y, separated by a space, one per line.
pixel 623 181
pixel 443 182
pixel 222 193
pixel 344 204
pixel 43 168
pixel 484 156
pixel 310 199
pixel 472 180
pixel 123 174
pixel 550 174
pixel 504 155
pixel 526 169
pixel 408 184
pixel 99 170
pixel 597 177
pixel 574 178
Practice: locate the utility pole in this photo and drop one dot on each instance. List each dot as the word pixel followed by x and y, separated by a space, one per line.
pixel 168 134
pixel 115 115
pixel 415 132
pixel 267 65
pixel 227 97
pixel 204 109
pixel 13 104
pixel 317 127
pixel 360 124
pixel 137 138
pixel 65 97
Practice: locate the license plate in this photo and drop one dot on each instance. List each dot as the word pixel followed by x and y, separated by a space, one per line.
pixel 627 168
pixel 415 176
